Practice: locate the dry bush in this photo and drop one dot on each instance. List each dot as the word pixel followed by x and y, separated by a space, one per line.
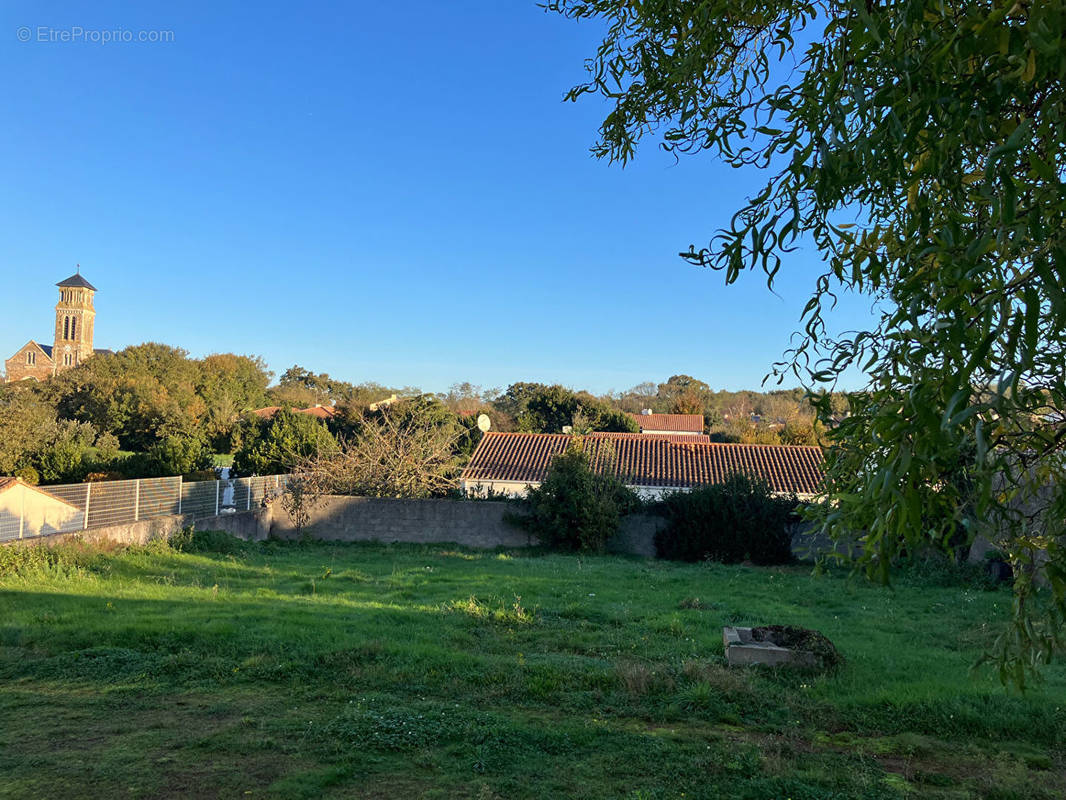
pixel 392 455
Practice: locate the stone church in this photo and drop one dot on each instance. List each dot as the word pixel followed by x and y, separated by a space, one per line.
pixel 73 342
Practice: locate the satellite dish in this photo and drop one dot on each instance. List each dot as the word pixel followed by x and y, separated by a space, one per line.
pixel 483 422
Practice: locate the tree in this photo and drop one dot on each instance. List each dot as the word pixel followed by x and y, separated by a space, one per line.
pixel 919 146
pixel 514 400
pixel 549 409
pixel 467 399
pixel 229 385
pixel 642 396
pixel 279 444
pixel 24 422
pixel 140 394
pixel 33 440
pixel 683 394
pixel 299 387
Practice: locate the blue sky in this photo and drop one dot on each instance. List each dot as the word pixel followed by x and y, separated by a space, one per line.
pixel 385 192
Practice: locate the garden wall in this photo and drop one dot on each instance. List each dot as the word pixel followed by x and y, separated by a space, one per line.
pixel 353 519
pixel 469 523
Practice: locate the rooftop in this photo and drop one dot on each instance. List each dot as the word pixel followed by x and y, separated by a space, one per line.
pixel 680 423
pixel 322 412
pixel 76 281
pixel 647 460
pixel 11 483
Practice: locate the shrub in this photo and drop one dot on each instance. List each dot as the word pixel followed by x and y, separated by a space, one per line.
pixel 737 520
pixel 28 475
pixel 190 540
pixel 278 444
pixel 297 500
pixel 179 454
pixel 575 508
pixel 107 447
pixel 410 449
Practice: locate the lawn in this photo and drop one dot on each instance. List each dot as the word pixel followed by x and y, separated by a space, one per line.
pixel 323 670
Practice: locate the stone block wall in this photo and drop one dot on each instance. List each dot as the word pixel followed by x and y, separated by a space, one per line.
pixel 349 519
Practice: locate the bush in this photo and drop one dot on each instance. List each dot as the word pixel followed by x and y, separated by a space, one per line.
pixel 28 475
pixel 179 454
pixel 574 508
pixel 190 540
pixel 277 445
pixel 737 520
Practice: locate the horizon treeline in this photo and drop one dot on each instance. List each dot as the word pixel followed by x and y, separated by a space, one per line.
pixel 151 409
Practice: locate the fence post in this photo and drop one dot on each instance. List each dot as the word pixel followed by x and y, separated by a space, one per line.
pixel 250 482
pixel 88 494
pixel 22 511
pixel 179 495
pixel 218 491
pixel 137 500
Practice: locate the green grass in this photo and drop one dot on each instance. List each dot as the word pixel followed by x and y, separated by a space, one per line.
pixel 222 459
pixel 286 670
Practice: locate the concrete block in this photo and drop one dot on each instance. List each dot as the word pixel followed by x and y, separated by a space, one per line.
pixel 741 650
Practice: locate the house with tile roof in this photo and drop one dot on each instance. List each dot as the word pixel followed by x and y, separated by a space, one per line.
pixel 660 424
pixel 652 465
pixel 323 413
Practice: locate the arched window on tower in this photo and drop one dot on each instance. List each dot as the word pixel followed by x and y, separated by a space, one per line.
pixel 66 328
pixel 73 327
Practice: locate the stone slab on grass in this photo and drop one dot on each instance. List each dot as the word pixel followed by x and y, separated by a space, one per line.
pixel 742 650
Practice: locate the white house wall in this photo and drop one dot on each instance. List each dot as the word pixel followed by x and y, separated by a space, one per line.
pixel 39 513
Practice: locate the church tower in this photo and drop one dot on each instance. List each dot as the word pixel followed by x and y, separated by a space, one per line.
pixel 75 318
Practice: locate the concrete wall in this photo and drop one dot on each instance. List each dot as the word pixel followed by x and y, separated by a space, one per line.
pixel 253 525
pixel 469 523
pixel 349 519
pixel 352 519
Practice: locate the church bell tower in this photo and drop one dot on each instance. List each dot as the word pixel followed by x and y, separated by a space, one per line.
pixel 75 318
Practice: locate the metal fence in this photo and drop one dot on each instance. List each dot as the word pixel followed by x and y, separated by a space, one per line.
pixel 27 511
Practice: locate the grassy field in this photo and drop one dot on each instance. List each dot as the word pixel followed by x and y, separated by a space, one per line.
pixel 287 670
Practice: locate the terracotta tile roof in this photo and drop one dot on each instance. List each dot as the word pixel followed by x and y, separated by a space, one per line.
pixel 322 412
pixel 681 423
pixel 676 438
pixel 647 460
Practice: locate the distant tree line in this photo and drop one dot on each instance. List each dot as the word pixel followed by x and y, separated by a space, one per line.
pixel 151 410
